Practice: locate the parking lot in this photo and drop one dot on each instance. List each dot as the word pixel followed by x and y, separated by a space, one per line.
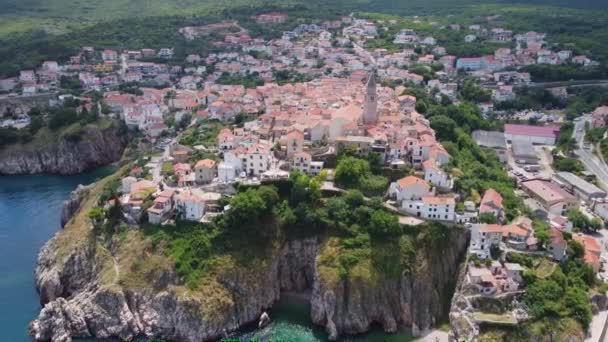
pixel 524 172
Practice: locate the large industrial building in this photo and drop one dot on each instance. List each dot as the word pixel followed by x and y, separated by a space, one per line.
pixel 537 135
pixel 523 152
pixel 581 188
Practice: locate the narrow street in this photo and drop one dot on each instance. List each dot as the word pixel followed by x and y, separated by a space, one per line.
pixel 591 162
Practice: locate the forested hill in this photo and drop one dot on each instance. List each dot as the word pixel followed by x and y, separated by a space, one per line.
pixel 32 31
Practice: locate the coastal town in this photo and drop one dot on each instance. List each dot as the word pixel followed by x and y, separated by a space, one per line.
pixel 260 111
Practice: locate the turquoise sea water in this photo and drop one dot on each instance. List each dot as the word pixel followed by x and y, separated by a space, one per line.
pixel 29 216
pixel 291 323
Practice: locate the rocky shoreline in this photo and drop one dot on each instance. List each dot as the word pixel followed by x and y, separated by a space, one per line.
pixel 98 147
pixel 77 305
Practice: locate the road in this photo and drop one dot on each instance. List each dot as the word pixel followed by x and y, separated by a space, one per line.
pixel 364 53
pixel 591 162
pixel 597 326
pixel 156 171
pixel 578 83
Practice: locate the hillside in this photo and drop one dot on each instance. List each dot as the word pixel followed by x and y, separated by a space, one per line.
pixel 52 16
pixel 34 33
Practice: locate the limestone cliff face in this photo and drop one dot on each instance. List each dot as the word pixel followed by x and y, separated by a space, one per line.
pixel 77 305
pixel 98 147
pixel 72 204
pixel 416 299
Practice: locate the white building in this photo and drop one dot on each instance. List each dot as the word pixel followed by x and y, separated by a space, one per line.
pixel 190 206
pixel 483 237
pixel 433 174
pixel 408 189
pixel 226 172
pixel 257 160
pixel 430 207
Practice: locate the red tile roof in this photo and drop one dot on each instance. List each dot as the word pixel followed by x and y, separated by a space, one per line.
pixel 410 180
pixel 537 131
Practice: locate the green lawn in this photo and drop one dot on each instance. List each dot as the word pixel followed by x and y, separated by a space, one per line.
pixel 545 268
pixel 483 317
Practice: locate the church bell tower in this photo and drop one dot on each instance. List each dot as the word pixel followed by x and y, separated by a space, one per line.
pixel 370 109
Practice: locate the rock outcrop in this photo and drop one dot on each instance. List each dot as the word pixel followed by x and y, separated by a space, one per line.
pixel 76 304
pixel 417 299
pixel 97 147
pixel 72 204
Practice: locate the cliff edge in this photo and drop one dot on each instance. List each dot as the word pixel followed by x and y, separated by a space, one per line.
pixel 96 145
pixel 126 286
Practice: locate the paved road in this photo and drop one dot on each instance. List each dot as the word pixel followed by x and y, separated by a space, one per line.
pixel 597 326
pixel 578 83
pixel 591 162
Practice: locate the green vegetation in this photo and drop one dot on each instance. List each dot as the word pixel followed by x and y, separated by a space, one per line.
pixel 356 173
pixel 68 122
pixel 580 221
pixel 556 292
pixel 567 165
pixel 565 141
pixel 248 81
pixel 477 168
pixel 471 91
pixel 506 319
pixel 532 98
pixel 204 133
pixel 288 76
pixel 31 33
pixel 562 295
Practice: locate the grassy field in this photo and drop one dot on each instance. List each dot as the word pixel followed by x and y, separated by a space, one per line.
pixel 483 317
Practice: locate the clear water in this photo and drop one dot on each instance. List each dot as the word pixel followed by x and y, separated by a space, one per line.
pixel 291 323
pixel 29 216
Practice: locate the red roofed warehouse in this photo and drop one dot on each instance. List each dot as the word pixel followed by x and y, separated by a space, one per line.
pixel 539 135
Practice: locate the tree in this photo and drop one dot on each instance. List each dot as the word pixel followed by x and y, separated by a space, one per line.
pixel 285 215
pixel 246 209
pixel 383 224
pixel 578 219
pixel 96 215
pixel 596 224
pixel 567 165
pixel 444 127
pixel 299 188
pixel 62 117
pixel 354 198
pixel 36 124
pixel 470 91
pixel 488 217
pixel 421 107
pixel 577 302
pixel 576 250
pixel 350 171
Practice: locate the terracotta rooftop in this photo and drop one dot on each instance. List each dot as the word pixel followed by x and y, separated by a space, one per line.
pixel 410 180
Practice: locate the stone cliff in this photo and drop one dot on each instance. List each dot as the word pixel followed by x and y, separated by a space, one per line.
pixel 78 304
pixel 97 147
pixel 417 299
pixel 121 288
